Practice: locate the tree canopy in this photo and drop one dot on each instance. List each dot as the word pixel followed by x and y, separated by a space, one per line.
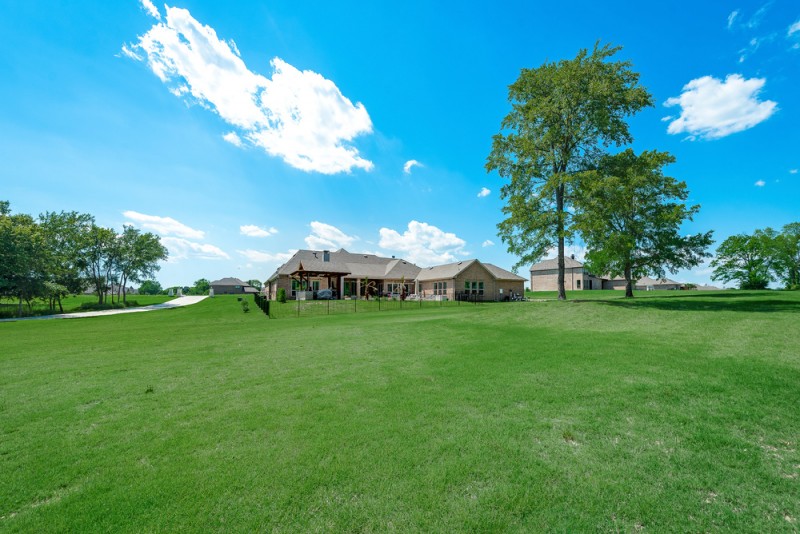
pixel 630 215
pixel 563 114
pixel 64 253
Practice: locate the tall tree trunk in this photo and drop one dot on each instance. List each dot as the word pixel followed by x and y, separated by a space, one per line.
pixel 60 307
pixel 628 282
pixel 562 294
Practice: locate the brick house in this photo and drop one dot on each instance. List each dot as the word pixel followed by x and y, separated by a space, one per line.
pixel 544 277
pixel 231 286
pixel 468 279
pixel 355 275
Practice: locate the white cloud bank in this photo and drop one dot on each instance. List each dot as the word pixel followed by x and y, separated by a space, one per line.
pixel 299 116
pixel 251 230
pixel 163 225
pixel 712 108
pixel 793 171
pixel 409 164
pixel 488 243
pixel 484 192
pixel 760 183
pixel 151 10
pixel 794 28
pixel 423 244
pixel 326 237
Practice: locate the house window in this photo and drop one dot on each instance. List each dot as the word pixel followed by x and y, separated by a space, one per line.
pixel 315 285
pixel 473 287
pixel 392 287
pixel 440 288
pixel 578 283
pixel 295 287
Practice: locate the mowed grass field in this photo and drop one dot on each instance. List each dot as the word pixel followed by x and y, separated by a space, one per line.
pixel 673 412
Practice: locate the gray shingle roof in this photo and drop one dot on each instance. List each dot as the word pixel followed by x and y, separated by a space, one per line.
pixel 350 264
pixel 502 274
pixel 552 263
pixel 439 272
pixel 229 282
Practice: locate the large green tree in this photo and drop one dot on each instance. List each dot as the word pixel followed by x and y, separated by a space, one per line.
pixel 745 259
pixel 138 257
pixel 563 115
pixel 786 255
pixel 629 214
pixel 22 257
pixel 65 236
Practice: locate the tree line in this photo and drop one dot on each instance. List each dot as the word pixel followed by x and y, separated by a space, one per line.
pixel 564 182
pixel 59 254
pixel 753 261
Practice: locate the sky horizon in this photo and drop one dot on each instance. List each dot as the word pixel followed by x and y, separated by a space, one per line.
pixel 240 134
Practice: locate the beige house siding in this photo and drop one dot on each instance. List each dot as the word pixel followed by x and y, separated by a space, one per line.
pixel 548 280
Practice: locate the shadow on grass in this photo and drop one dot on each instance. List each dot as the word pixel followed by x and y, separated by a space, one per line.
pixel 754 302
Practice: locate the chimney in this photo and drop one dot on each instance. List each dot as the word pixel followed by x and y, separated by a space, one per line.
pixel 572 256
pixel 326 255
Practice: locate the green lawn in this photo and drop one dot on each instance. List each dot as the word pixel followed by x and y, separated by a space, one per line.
pixel 673 412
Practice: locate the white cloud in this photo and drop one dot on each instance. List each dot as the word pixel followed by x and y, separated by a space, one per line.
pixel 163 225
pixel 252 230
pixel 760 183
pixel 258 256
pixel 732 18
pixel 233 138
pixel 181 249
pixel 326 237
pixel 794 28
pixel 297 115
pixel 484 192
pixel 423 243
pixel 148 6
pixel 793 171
pixel 488 243
pixel 411 163
pixel 712 108
pixel 127 52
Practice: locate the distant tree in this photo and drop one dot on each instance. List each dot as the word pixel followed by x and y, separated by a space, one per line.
pixel 630 215
pixel 255 283
pixel 201 287
pixel 786 255
pixel 745 259
pixel 563 115
pixel 150 287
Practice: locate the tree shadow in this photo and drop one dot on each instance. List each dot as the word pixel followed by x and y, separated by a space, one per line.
pixel 754 302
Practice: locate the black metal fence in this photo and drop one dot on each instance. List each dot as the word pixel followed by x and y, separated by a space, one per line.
pixel 311 308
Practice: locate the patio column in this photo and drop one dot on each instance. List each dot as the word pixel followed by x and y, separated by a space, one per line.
pixel 358 287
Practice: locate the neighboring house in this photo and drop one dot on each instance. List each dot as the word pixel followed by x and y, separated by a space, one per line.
pixel 348 273
pixel 544 277
pixel 469 278
pixel 647 283
pixel 705 287
pixel 352 275
pixel 231 286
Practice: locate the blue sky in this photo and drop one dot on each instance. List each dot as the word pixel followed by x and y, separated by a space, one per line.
pixel 243 131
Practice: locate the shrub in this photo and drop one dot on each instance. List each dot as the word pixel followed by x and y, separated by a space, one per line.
pixel 281 295
pixel 245 306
